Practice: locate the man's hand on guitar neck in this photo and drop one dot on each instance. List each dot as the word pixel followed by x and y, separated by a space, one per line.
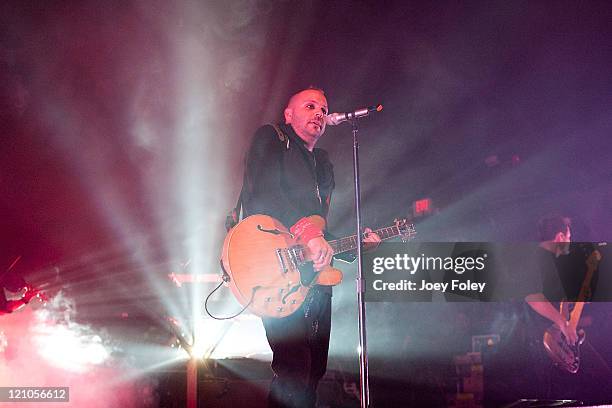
pixel 322 252
pixel 371 240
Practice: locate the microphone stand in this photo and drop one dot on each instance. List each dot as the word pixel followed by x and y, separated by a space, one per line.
pixel 363 350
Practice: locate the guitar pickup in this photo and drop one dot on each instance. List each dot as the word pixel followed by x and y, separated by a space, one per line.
pixel 281 261
pixel 293 257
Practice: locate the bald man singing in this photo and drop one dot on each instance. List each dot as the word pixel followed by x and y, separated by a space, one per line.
pixel 288 178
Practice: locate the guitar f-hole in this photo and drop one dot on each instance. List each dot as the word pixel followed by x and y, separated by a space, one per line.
pixel 293 289
pixel 274 231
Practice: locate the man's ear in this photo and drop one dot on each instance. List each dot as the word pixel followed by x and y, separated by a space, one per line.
pixel 288 115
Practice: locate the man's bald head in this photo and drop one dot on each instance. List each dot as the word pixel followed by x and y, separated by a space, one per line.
pixel 305 112
pixel 296 95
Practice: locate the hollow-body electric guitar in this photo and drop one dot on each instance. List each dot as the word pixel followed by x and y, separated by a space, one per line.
pixel 567 356
pixel 270 272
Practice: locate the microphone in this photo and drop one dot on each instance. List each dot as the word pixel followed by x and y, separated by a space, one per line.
pixel 337 118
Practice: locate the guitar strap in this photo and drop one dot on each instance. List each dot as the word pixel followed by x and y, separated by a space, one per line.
pixel 235 215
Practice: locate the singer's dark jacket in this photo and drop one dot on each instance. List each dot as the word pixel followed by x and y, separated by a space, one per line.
pixel 284 180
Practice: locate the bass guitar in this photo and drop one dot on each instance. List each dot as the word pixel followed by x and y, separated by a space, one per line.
pixel 270 272
pixel 566 356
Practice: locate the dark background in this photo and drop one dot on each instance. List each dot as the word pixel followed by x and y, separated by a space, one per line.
pixel 97 97
pixel 124 126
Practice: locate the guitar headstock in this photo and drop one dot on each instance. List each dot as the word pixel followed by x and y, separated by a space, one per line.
pixel 591 253
pixel 593 260
pixel 405 228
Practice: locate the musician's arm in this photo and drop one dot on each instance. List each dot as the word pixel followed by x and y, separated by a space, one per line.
pixel 265 194
pixel 540 304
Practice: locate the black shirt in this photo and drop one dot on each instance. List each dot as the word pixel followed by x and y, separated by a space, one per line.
pixel 284 180
pixel 562 277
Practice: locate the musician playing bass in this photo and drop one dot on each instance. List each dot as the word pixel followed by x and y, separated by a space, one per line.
pixel 287 178
pixel 569 277
pixel 555 236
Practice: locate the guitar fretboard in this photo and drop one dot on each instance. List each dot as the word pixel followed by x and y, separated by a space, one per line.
pixel 349 243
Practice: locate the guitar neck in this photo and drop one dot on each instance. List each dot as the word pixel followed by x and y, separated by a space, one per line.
pixel 576 313
pixel 579 306
pixel 350 243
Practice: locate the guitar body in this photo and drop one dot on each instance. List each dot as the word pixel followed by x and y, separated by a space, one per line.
pixel 564 355
pixel 259 255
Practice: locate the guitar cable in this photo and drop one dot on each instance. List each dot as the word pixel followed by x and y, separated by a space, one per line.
pixel 224 279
